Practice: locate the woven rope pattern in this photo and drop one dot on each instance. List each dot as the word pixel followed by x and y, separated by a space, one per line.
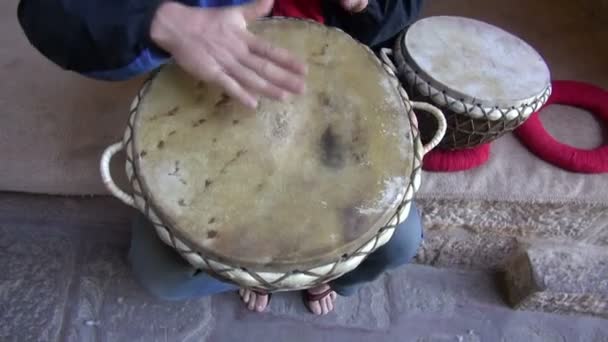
pixel 469 123
pixel 263 280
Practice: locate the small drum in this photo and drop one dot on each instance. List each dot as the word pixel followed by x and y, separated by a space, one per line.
pixel 486 81
pixel 290 196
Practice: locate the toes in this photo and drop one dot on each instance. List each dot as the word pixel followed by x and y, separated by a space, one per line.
pixel 315 307
pixel 245 295
pixel 324 305
pixel 252 300
pixel 261 303
pixel 330 305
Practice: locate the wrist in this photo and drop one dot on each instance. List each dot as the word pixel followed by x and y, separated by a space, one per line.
pixel 162 26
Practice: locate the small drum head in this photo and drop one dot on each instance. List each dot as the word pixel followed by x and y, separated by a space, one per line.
pixel 475 61
pixel 293 184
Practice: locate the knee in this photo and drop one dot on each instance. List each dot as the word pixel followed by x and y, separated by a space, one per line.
pixel 153 265
pixel 404 252
pixel 406 240
pixel 410 249
pixel 157 283
pixel 345 291
pixel 174 291
pixel 168 293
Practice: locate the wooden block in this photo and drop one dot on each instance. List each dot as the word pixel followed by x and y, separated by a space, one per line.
pixel 559 279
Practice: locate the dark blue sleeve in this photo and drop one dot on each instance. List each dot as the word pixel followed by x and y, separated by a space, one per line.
pixel 102 39
pixel 378 24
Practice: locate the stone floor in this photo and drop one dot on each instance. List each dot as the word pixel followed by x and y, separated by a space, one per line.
pixel 63 277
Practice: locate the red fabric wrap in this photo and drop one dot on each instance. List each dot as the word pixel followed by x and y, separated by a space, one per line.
pixel 304 9
pixel 458 160
pixel 536 138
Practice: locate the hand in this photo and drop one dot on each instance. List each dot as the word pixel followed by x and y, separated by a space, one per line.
pixel 354 6
pixel 214 45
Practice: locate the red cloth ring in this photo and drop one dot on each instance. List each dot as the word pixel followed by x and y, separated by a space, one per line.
pixel 535 137
pixel 458 160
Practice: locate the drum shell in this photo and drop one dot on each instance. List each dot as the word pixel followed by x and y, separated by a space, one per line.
pixel 262 276
pixel 463 130
pixel 264 279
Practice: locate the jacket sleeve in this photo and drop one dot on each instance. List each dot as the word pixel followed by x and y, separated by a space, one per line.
pixel 378 24
pixel 102 39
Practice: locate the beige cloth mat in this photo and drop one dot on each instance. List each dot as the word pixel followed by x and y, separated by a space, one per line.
pixel 514 174
pixel 55 124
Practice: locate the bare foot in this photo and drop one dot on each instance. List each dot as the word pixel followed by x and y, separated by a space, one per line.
pixel 254 301
pixel 320 300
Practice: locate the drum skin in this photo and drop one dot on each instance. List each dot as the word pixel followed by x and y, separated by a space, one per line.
pixel 287 196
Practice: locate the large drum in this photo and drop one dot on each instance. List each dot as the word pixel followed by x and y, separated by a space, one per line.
pixel 485 80
pixel 290 196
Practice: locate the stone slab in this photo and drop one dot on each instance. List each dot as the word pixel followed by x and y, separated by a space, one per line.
pixel 426 304
pixel 415 291
pixel 454 247
pixel 110 305
pixel 413 303
pixel 64 211
pixel 36 266
pixel 559 279
pixel 599 234
pixel 572 221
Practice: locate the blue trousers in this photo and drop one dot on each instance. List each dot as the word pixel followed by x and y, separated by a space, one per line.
pixel 164 273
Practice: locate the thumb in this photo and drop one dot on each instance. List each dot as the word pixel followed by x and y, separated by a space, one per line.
pixel 348 4
pixel 257 9
pixel 354 5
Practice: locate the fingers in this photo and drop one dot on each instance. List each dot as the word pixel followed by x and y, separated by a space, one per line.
pixel 233 58
pixel 245 78
pixel 274 64
pixel 251 80
pixel 279 56
pixel 206 68
pixel 257 9
pixel 265 69
pixel 280 78
pixel 236 90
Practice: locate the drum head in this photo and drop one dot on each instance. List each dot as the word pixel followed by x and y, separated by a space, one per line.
pixel 475 61
pixel 293 184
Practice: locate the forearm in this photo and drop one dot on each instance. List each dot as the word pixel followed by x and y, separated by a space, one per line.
pixel 103 39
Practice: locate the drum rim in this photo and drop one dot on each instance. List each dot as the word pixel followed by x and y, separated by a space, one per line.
pixel 150 204
pixel 474 107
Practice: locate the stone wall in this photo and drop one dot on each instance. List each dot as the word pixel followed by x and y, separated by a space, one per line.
pixel 480 234
pixel 550 257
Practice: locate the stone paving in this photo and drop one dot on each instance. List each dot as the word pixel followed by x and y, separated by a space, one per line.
pixel 63 277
